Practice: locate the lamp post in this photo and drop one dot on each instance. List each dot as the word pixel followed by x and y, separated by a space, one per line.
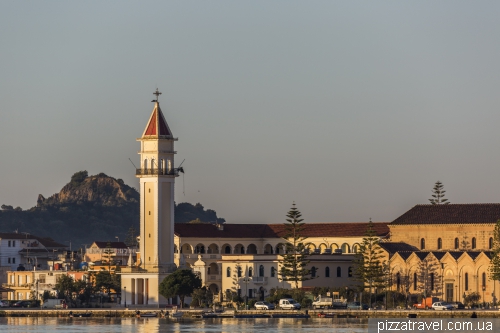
pixel 442 281
pixel 484 303
pixel 246 287
pixel 125 294
pixel 117 238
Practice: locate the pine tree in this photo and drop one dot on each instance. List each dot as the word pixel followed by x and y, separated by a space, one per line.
pixel 438 196
pixel 369 268
pixel 495 255
pixel 294 261
pixel 131 240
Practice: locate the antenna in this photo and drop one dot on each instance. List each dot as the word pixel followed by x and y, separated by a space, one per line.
pixel 132 162
pixel 180 168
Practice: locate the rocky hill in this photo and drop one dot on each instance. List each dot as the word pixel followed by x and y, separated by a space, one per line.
pixel 88 209
pixel 98 190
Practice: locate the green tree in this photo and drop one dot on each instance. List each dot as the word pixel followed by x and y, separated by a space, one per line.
pixel 494 267
pixel 202 297
pixel 369 268
pixel 105 281
pixel 79 177
pixel 180 283
pixel 131 240
pixel 108 255
pixel 65 287
pixel 428 278
pixel 438 194
pixel 294 260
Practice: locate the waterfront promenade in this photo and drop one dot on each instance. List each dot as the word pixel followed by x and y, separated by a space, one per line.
pixel 193 314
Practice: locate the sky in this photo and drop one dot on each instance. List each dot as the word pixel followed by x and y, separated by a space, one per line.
pixel 350 109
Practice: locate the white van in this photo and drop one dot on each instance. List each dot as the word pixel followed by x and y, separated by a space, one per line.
pixel 288 304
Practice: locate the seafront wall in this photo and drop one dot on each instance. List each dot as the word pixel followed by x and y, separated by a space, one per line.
pixel 129 313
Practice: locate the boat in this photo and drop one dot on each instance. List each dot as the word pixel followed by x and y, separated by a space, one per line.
pixel 209 315
pixel 83 315
pixel 175 313
pixel 326 315
pixel 291 315
pixel 257 315
pixel 148 315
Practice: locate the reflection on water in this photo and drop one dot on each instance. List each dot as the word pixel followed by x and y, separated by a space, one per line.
pixel 151 325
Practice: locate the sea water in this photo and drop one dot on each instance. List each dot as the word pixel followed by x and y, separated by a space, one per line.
pixel 152 325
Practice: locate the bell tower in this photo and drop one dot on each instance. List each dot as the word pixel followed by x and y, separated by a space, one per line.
pixel 157 180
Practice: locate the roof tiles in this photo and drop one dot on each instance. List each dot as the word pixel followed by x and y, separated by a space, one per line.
pixel 450 214
pixel 205 230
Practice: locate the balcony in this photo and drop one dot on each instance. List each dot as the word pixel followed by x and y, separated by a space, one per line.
pixel 259 280
pixel 156 172
pixel 212 277
pixel 212 256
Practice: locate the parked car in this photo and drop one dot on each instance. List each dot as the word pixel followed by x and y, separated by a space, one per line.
pixel 263 306
pixel 21 304
pixel 457 305
pixel 441 306
pixel 357 306
pixel 4 304
pixel 289 304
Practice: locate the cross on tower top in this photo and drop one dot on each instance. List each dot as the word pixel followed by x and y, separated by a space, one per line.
pixel 157 93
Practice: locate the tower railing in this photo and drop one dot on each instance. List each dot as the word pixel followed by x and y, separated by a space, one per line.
pixel 156 172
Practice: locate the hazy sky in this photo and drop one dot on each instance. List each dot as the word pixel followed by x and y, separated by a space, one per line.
pixel 352 109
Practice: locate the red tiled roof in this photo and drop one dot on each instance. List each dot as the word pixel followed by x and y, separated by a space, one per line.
pixel 450 214
pixel 114 245
pixel 157 124
pixel 202 230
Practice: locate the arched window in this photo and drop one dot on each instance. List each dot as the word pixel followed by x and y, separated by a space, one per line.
pixel 327 271
pixel 415 284
pixel 239 271
pixel 440 243
pixel 398 281
pixel 153 164
pixel 228 272
pixel 432 281
pixel 339 272
pixel 422 244
pixel 162 165
pixel 490 243
pixel 313 272
pixel 145 164
pixel 484 280
pixel 273 271
pixel 466 282
pixel 473 242
pixel 457 243
pixel 227 249
pixel 261 270
pixel 250 272
pixel 345 248
pixel 349 272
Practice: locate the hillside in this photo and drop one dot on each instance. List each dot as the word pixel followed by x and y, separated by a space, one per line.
pixel 87 209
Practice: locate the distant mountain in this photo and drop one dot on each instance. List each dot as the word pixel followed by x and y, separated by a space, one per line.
pixel 88 209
